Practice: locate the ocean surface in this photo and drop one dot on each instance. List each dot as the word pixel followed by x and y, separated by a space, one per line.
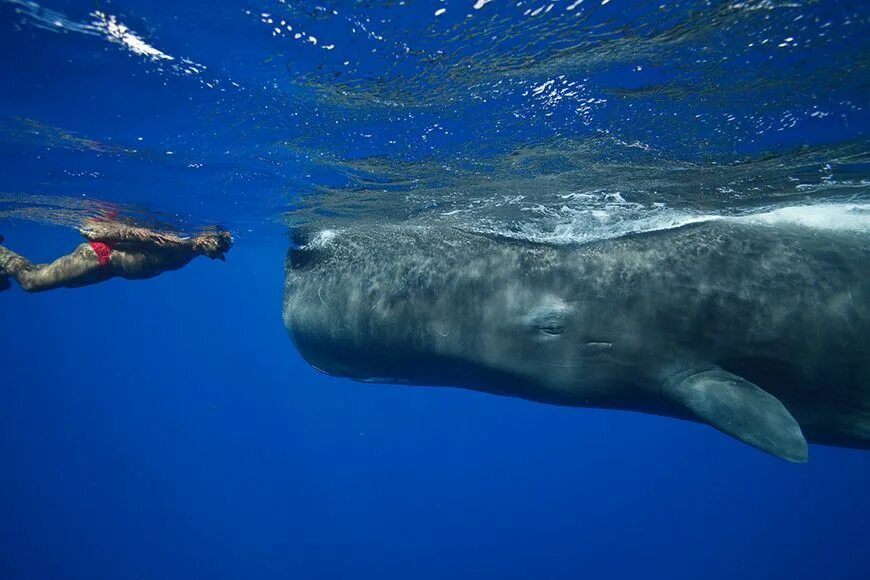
pixel 168 429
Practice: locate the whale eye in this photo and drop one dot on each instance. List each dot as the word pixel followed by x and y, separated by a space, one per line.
pixel 549 318
pixel 552 327
pixel 547 321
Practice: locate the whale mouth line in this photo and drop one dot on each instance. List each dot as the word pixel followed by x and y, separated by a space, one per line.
pixel 563 365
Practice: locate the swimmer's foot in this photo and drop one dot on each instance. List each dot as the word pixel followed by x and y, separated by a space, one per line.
pixel 4 276
pixel 4 279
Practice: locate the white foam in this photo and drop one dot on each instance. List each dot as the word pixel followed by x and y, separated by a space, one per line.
pixel 829 216
pixel 571 226
pixel 323 237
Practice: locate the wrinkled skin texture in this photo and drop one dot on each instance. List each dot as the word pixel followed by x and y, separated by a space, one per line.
pixel 760 331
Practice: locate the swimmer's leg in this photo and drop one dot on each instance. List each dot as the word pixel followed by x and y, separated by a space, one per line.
pixel 79 268
pixel 4 278
pixel 11 264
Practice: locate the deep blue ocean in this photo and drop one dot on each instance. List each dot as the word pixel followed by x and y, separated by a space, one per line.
pixel 168 428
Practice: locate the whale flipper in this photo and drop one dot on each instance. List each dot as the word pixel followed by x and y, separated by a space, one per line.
pixel 739 408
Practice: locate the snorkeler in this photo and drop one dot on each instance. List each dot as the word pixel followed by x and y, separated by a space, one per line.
pixel 114 249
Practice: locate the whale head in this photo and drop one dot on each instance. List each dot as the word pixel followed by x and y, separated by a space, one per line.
pixel 399 305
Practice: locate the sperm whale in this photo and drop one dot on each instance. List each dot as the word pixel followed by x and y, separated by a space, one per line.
pixel 760 329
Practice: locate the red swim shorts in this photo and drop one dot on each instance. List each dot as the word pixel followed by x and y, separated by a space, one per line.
pixel 103 252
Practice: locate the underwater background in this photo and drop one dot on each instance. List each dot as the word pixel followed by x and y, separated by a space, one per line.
pixel 168 429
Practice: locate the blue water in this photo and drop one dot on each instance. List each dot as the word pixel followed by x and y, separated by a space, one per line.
pixel 168 429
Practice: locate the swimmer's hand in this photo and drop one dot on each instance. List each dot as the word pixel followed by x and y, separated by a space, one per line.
pixel 213 244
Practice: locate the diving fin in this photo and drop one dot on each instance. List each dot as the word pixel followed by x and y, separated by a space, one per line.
pixel 738 408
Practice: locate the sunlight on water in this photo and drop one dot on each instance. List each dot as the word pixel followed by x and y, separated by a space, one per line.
pixel 554 121
pixel 101 24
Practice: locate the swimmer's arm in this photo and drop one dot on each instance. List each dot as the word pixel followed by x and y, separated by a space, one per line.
pixel 116 233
